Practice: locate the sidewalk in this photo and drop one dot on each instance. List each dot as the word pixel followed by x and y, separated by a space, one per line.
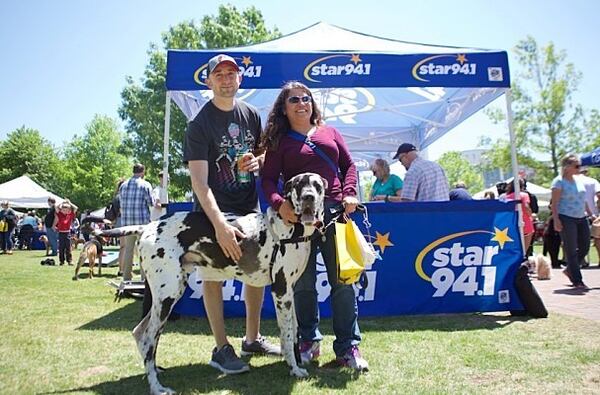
pixel 559 297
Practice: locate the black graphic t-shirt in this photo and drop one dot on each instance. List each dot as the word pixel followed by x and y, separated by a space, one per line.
pixel 217 137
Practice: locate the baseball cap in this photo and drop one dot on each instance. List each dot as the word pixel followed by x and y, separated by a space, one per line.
pixel 404 148
pixel 219 59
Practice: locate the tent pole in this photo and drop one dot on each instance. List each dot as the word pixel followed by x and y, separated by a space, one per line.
pixel 166 137
pixel 515 168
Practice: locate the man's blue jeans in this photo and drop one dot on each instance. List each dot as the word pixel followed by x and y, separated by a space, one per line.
pixel 343 300
pixel 52 239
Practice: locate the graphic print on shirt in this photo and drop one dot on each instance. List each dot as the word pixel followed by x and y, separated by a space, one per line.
pixel 236 142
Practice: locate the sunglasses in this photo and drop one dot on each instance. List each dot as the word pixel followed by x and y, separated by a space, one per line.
pixel 298 99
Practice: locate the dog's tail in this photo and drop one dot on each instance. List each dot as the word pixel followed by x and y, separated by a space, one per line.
pixel 123 231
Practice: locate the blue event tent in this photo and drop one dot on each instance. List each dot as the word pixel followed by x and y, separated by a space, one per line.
pixel 378 92
pixel 591 158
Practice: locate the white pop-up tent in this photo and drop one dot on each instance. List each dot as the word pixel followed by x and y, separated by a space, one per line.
pixel 23 192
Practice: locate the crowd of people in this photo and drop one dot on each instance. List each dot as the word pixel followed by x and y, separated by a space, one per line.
pixel 225 147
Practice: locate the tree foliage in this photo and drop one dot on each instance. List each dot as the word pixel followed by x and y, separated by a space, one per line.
pixel 546 121
pixel 143 104
pixel 93 164
pixel 458 168
pixel 26 152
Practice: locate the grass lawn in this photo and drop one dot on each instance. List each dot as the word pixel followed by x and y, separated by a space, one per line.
pixel 60 336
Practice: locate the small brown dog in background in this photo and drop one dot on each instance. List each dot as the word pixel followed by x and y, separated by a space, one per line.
pixel 543 267
pixel 91 250
pixel 44 239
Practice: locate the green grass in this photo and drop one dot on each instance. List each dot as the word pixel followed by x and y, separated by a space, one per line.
pixel 60 336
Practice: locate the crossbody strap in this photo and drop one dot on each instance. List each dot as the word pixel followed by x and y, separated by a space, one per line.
pixel 302 138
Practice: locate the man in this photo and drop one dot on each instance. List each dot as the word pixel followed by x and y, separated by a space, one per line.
pixel 160 197
pixel 135 196
pixel 592 193
pixel 224 130
pixel 459 192
pixel 424 180
pixel 51 234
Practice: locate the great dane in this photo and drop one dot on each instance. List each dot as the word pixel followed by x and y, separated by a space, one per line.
pixel 272 253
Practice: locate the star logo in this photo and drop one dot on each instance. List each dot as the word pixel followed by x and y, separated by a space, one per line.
pixel 355 59
pixel 246 60
pixel 462 58
pixel 501 236
pixel 382 241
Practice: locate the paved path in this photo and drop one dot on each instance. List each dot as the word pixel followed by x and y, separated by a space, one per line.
pixel 559 297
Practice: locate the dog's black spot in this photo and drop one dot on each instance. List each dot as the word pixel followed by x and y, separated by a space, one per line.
pixel 287 305
pixel 262 237
pixel 279 284
pixel 282 250
pixel 199 227
pixel 162 285
pixel 161 252
pixel 149 354
pixel 249 262
pixel 166 308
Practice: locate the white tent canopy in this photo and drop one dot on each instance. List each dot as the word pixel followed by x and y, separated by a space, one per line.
pixel 23 192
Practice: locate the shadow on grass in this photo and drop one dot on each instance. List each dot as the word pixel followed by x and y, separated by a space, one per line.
pixel 440 322
pixel 128 316
pixel 201 378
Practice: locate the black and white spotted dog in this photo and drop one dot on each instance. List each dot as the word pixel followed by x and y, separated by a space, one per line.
pixel 272 253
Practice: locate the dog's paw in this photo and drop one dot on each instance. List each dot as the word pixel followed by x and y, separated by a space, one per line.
pixel 298 372
pixel 75 278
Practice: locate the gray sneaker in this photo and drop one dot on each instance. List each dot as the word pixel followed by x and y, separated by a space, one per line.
pixel 260 346
pixel 227 361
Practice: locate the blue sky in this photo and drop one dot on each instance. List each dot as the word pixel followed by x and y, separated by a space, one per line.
pixel 64 61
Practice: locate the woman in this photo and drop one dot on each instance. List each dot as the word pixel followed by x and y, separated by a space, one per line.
pixel 387 187
pixel 287 155
pixel 569 214
pixel 8 223
pixel 528 228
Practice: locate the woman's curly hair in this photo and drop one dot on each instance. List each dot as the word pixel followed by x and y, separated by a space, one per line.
pixel 277 121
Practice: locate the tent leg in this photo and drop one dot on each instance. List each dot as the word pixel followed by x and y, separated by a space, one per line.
pixel 515 165
pixel 166 137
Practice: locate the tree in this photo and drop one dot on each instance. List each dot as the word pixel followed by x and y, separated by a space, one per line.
pixel 545 119
pixel 143 105
pixel 457 168
pixel 25 151
pixel 93 164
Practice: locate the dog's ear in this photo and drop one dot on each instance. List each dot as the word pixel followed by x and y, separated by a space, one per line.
pixel 287 189
pixel 325 183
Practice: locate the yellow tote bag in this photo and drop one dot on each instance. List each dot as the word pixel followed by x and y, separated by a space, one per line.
pixel 349 255
pixel 3 226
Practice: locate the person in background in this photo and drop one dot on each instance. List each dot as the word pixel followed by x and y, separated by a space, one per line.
pixel 528 228
pixel 29 225
pixel 592 194
pixel 161 197
pixel 489 195
pixel 135 199
pixel 294 119
pixel 569 214
pixel 552 241
pixel 387 187
pixel 221 146
pixel 424 181
pixel 8 223
pixel 63 219
pixel 459 192
pixel 51 233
